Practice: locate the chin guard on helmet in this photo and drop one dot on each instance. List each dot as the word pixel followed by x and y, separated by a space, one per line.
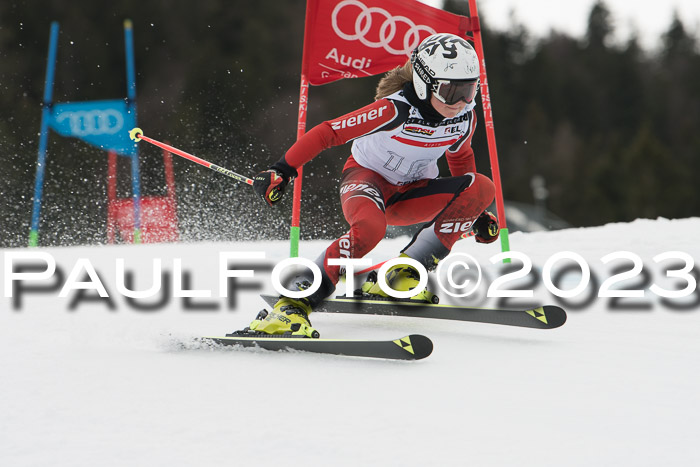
pixel 447 66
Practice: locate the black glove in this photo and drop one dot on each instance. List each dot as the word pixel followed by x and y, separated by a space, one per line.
pixel 270 185
pixel 486 228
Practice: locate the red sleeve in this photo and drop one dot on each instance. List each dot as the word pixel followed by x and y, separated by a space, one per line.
pixel 339 131
pixel 460 156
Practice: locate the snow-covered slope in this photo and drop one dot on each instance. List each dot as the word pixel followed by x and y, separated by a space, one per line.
pixel 86 383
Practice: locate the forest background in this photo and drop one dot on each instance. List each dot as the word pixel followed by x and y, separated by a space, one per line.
pixel 611 128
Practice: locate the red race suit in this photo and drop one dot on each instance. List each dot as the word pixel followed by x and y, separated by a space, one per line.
pixel 391 177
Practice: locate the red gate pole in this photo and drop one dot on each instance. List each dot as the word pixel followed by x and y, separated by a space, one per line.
pixel 490 132
pixel 295 229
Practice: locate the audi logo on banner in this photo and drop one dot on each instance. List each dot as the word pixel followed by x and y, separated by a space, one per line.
pixel 93 122
pixel 376 28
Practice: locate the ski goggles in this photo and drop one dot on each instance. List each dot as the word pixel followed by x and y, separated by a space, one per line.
pixel 451 92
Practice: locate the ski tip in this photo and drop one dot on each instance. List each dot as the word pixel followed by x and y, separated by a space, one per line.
pixel 418 345
pixel 135 134
pixel 555 316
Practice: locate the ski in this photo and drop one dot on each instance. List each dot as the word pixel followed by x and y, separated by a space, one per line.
pixel 413 347
pixel 544 317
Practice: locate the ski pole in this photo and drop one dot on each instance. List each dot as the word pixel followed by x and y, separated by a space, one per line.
pixel 136 134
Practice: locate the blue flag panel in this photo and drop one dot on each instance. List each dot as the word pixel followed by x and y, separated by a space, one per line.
pixel 104 124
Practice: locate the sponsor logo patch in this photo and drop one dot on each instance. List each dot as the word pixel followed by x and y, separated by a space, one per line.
pixel 359 119
pixel 454 227
pixel 419 131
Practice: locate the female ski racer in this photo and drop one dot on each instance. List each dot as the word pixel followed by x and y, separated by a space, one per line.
pixel 423 110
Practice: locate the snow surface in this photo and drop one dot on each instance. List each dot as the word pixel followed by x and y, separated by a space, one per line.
pixel 114 387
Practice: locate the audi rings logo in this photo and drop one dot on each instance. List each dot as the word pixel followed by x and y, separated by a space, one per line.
pixel 387 31
pixel 93 122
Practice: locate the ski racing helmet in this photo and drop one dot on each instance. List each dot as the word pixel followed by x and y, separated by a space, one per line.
pixel 447 66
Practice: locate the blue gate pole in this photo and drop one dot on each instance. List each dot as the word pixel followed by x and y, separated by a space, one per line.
pixel 131 107
pixel 44 134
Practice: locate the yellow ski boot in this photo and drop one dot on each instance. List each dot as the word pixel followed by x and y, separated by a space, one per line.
pixel 400 277
pixel 289 317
